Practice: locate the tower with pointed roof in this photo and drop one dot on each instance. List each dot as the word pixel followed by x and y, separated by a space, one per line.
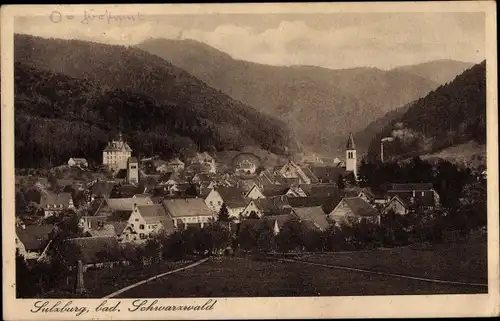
pixel 350 156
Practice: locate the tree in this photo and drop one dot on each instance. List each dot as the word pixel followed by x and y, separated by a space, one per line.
pixel 33 209
pixel 21 203
pixel 264 238
pixel 335 239
pixel 219 238
pixel 365 173
pixel 290 236
pixel 313 240
pixel 395 226
pixel 153 249
pixel 24 278
pixel 247 237
pixel 172 246
pixel 224 214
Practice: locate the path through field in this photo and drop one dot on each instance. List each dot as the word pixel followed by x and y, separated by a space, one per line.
pixel 248 277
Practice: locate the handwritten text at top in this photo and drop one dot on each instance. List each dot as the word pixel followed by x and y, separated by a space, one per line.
pixel 90 16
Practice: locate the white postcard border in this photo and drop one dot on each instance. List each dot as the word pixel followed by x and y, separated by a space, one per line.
pixel 254 308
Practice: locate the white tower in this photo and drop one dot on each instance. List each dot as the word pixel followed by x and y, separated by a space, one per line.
pixel 132 170
pixel 350 156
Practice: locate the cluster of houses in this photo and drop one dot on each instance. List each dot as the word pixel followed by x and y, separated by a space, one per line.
pixel 134 206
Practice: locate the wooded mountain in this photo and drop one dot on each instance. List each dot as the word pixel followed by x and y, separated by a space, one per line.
pixel 440 71
pixel 320 105
pixel 71 96
pixel 452 114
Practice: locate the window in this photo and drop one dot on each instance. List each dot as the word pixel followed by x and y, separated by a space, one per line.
pixel 219 202
pixel 422 193
pixel 137 220
pixel 142 236
pixel 211 203
pixel 141 226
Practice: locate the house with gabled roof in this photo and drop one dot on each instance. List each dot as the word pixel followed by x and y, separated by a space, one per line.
pixel 328 174
pixel 416 195
pixel 353 210
pixel 315 215
pixel 53 203
pixel 32 240
pixel 111 206
pixel 292 170
pixel 232 197
pixel 204 159
pixel 176 164
pixel 267 206
pixel 189 212
pixel 252 210
pixel 254 193
pixel 266 177
pixel 373 196
pixel 77 162
pixel 146 221
pixel 321 190
pixel 397 205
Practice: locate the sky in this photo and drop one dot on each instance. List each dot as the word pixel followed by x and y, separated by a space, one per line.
pixel 331 40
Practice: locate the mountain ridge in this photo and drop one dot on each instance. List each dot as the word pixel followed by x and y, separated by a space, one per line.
pixel 129 88
pixel 341 99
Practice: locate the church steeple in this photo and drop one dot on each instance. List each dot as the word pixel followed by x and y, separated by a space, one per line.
pixel 350 143
pixel 351 164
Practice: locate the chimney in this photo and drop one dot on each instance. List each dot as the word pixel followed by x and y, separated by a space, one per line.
pixel 382 151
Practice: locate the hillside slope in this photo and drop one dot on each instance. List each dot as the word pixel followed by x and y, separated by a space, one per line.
pixel 440 71
pixel 450 115
pixel 320 105
pixel 160 107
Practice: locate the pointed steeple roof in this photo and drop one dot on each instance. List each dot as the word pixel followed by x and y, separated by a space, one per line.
pixel 350 142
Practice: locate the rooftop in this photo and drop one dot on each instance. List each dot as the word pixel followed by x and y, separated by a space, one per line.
pixel 186 207
pixel 359 206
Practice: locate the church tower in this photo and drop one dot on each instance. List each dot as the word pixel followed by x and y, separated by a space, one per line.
pixel 350 156
pixel 132 170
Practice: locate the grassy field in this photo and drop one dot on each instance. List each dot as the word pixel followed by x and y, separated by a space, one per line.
pixel 247 277
pixel 462 262
pixel 101 282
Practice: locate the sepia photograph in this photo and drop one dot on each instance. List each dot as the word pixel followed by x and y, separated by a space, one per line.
pixel 210 155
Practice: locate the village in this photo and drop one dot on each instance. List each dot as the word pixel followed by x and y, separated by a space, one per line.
pixel 134 202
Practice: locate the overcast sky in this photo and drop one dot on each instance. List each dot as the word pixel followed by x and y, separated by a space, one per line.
pixel 333 40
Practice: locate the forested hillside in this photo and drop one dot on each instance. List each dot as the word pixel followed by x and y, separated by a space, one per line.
pixel 70 99
pixel 441 71
pixel 321 106
pixel 452 114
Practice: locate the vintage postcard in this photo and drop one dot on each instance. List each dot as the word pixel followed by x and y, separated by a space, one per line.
pixel 250 161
